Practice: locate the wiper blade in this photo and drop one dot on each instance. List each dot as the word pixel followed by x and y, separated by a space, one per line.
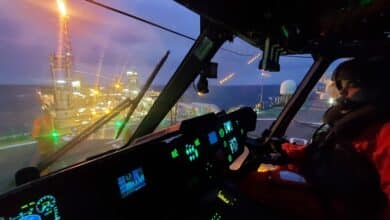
pixel 142 93
pixel 44 164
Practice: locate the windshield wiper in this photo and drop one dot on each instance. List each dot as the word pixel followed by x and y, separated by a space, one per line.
pixel 103 120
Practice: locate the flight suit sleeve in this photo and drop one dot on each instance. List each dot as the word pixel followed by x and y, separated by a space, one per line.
pixel 381 157
pixel 294 151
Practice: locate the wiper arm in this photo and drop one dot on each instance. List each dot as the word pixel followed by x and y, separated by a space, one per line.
pixel 101 121
pixel 142 93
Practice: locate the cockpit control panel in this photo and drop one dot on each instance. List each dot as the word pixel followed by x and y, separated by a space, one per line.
pixel 165 175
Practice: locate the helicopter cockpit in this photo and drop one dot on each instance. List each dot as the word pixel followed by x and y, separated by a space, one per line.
pixel 202 167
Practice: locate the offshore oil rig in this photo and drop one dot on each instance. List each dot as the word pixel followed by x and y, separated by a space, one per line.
pixel 71 104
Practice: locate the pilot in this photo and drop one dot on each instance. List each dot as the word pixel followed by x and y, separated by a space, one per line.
pixel 348 162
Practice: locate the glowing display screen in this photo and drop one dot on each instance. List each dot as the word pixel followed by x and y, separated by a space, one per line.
pixel 31 217
pixel 213 138
pixel 43 208
pixel 131 182
pixel 233 144
pixel 228 127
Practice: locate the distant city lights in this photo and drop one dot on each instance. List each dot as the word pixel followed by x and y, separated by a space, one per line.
pixel 228 77
pixel 255 57
pixel 200 94
pixel 61 81
pixel 76 83
pixel 131 73
pixel 331 101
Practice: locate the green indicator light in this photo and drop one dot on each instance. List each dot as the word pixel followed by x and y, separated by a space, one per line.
pixel 221 132
pixel 54 134
pixel 216 216
pixel 225 144
pixel 197 142
pixel 174 154
pixel 285 31
pixel 196 154
pixel 230 158
pixel 237 122
pixel 242 131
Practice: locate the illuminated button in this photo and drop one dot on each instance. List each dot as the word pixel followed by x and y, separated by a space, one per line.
pixel 230 158
pixel 228 127
pixel 225 144
pixel 197 142
pixel 174 153
pixel 213 137
pixel 221 133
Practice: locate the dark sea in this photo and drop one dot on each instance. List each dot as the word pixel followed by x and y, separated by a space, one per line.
pixel 19 104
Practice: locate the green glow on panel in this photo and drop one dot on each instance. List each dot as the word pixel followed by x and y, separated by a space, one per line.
pixel 216 216
pixel 230 158
pixel 174 153
pixel 285 31
pixel 197 142
pixel 221 132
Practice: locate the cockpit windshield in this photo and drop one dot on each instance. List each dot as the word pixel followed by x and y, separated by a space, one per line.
pixel 67 65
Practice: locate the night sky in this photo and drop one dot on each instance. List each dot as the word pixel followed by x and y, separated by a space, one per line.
pixel 29 31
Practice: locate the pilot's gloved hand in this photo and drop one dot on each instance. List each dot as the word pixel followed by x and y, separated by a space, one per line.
pixel 295 152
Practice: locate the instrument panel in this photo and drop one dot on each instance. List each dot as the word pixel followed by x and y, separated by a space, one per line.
pixel 165 174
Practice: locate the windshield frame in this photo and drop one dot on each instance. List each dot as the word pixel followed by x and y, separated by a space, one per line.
pixel 313 75
pixel 202 51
